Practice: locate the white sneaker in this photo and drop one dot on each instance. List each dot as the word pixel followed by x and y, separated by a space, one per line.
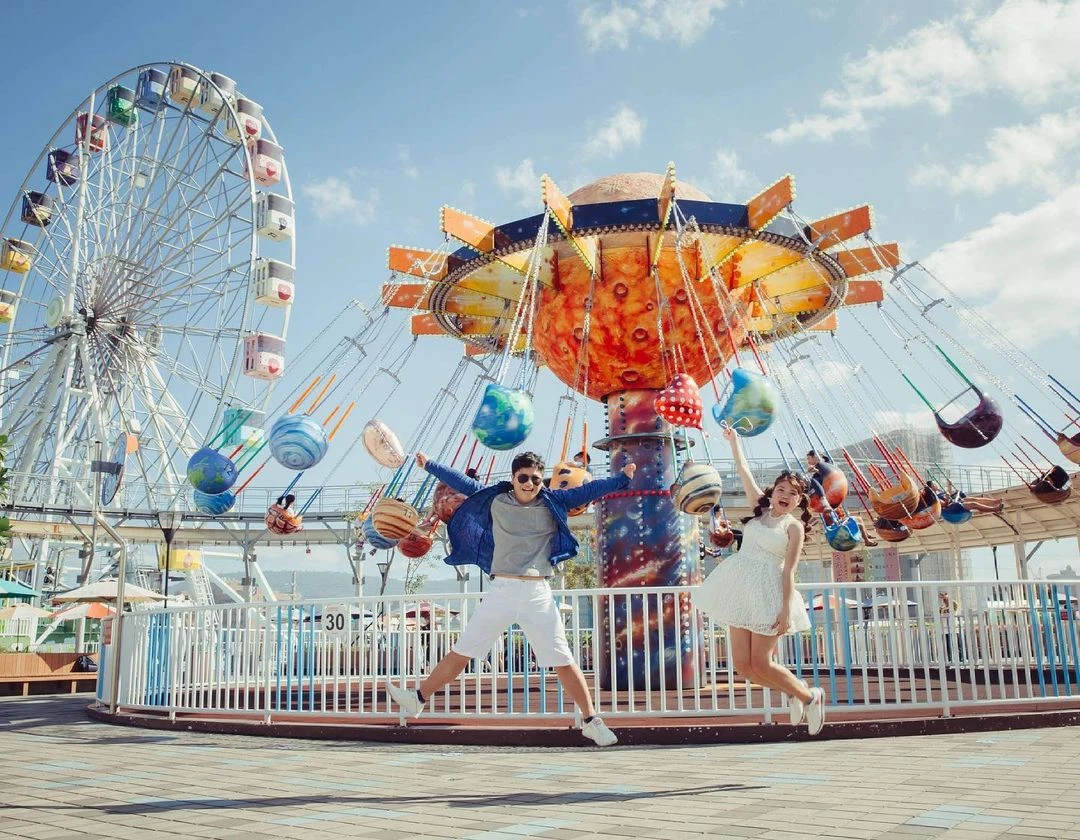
pixel 797 708
pixel 406 699
pixel 596 730
pixel 815 711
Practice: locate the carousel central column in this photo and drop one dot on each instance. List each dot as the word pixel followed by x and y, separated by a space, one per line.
pixel 644 541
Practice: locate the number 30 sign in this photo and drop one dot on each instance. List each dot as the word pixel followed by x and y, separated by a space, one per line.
pixel 336 620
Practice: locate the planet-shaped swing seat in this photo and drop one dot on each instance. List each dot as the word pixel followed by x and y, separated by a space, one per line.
pixel 697 488
pixel 298 442
pixel 504 419
pixel 567 475
pixel 210 472
pixel 955 513
pixel 416 543
pixel 373 538
pixel 751 405
pixel 283 521
pixel 214 504
pixel 394 519
pixel 382 444
pixel 446 501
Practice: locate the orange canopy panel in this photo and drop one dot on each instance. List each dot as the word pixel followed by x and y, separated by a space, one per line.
pixel 832 230
pixel 866 260
pixel 864 291
pixel 763 207
pixel 472 230
pixel 417 261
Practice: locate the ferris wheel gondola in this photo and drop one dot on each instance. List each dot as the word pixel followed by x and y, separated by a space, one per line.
pixel 129 300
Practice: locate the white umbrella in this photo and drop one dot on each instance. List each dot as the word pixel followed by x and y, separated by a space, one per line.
pixel 21 612
pixel 105 590
pixel 85 609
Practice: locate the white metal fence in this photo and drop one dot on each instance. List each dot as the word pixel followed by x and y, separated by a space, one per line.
pixel 929 645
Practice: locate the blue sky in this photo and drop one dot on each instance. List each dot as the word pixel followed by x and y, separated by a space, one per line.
pixel 956 120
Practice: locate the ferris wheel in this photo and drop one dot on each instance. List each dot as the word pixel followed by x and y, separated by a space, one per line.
pixel 146 278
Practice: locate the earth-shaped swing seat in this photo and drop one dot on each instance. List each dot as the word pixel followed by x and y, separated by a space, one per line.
pixel 890 530
pixel 1053 487
pixel 843 535
pixel 896 501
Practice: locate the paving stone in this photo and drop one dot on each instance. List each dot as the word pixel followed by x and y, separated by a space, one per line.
pixel 68 777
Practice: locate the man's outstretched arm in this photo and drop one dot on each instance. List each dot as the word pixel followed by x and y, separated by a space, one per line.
pixel 587 493
pixel 449 476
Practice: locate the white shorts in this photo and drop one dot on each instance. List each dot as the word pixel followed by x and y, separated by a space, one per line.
pixel 527 603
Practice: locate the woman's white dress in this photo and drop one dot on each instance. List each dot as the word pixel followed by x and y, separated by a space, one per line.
pixel 747 590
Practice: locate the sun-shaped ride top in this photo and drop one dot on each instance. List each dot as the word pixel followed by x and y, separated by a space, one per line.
pixel 741 269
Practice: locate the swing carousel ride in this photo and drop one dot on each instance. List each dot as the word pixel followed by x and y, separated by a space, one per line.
pixel 631 291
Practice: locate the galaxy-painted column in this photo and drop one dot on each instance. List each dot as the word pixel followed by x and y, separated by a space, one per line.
pixel 645 541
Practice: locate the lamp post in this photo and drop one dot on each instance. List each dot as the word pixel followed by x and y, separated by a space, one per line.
pixel 384 571
pixel 169 521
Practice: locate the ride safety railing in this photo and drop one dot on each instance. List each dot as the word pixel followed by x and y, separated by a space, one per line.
pixel 942 648
pixel 58 495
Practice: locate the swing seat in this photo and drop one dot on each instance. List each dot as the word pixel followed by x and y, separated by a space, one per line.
pixel 214 504
pixel 955 513
pixel 976 428
pixel 446 501
pixel 1069 446
pixel 697 488
pixel 567 476
pixel 282 522
pixel 834 483
pixel 394 519
pixel 844 536
pixel 750 405
pixel 382 444
pixel 923 519
pixel 505 417
pixel 373 538
pixel 1053 487
pixel 896 501
pixel 416 543
pixel 890 530
pixel 723 536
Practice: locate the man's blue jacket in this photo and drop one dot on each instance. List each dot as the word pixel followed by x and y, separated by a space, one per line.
pixel 470 531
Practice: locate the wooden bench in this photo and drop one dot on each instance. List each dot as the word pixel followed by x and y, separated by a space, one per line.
pixel 43 673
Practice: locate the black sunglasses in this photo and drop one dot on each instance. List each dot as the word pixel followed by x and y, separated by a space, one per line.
pixel 528 479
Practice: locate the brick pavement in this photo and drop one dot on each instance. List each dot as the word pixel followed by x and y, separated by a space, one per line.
pixel 65 776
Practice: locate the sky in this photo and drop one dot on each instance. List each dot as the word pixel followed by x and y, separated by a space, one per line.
pixel 956 119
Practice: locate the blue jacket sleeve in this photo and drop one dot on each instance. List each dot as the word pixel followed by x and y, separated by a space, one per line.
pixel 454 479
pixel 586 493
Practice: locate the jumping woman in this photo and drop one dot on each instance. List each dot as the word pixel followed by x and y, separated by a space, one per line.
pixel 753 591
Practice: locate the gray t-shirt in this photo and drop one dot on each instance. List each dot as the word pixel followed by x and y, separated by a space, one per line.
pixel 523 535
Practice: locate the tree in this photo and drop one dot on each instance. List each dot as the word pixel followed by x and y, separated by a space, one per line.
pixel 578 574
pixel 414 580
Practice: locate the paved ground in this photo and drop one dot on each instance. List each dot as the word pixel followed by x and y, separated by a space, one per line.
pixel 64 776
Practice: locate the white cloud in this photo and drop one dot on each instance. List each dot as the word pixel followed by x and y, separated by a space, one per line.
pixel 521 183
pixel 468 189
pixel 726 180
pixel 1017 155
pixel 1024 48
pixel 623 129
pixel 615 23
pixel 333 201
pixel 408 168
pixel 1015 270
